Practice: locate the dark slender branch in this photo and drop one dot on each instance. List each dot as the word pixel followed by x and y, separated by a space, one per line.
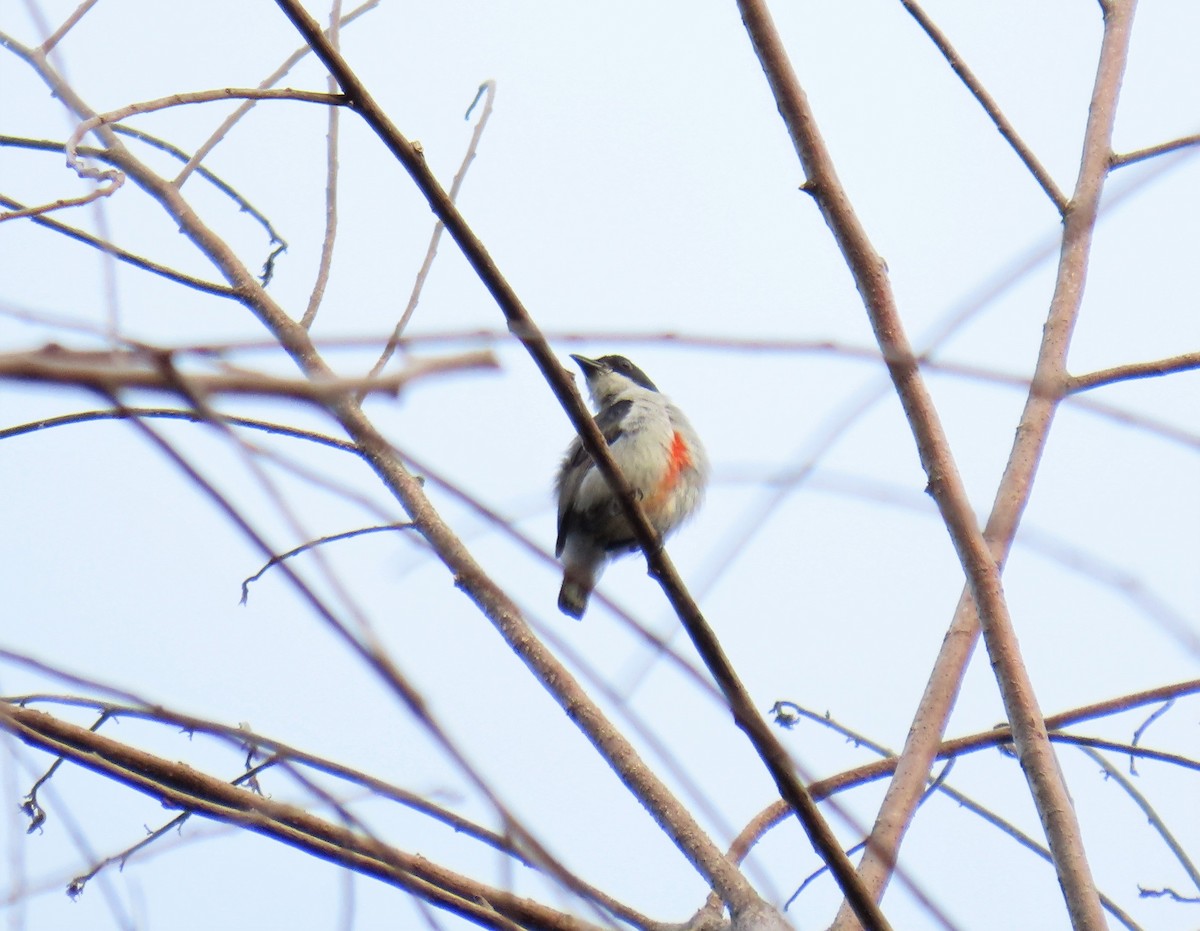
pixel 742 899
pixel 1114 773
pixel 120 254
pixel 303 547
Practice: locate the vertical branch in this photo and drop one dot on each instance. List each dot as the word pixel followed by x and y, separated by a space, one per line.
pixel 1049 385
pixel 331 184
pixel 945 485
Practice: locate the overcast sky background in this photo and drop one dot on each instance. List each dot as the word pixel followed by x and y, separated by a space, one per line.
pixel 634 178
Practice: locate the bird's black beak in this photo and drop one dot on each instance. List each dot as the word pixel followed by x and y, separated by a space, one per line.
pixel 588 365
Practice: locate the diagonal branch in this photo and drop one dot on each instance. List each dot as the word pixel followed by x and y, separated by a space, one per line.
pixel 180 786
pixel 495 604
pixel 745 714
pixel 984 589
pixel 980 93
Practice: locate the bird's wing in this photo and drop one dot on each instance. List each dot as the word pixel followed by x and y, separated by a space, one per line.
pixel 577 463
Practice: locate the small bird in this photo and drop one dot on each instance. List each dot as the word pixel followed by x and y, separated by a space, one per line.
pixel 660 456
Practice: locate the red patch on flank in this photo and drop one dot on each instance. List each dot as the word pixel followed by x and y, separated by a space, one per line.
pixel 679 457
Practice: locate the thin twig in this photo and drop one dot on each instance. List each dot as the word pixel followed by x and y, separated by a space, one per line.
pixel 193 163
pixel 1145 726
pixel 1185 362
pixel 94 122
pixel 63 203
pixel 243 205
pixel 320 541
pixel 487 88
pixel 1114 773
pixel 77 14
pixel 980 93
pixel 122 255
pixel 1129 158
pixel 325 262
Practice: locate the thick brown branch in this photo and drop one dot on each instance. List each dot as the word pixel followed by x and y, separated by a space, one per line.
pixel 945 485
pixel 740 896
pixel 112 371
pixel 179 786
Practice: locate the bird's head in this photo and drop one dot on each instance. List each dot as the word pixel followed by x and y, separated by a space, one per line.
pixel 611 376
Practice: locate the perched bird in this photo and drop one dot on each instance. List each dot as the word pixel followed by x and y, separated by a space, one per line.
pixel 660 456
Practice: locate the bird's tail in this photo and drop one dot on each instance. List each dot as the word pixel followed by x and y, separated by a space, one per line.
pixel 576 589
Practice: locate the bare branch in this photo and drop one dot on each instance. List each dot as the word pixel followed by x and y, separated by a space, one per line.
pixel 123 255
pixel 116 370
pixel 1114 773
pixel 675 820
pixel 982 604
pixel 320 541
pixel 69 23
pixel 979 92
pixel 325 262
pixel 178 785
pixel 177 100
pixel 193 164
pixel 488 90
pixel 1181 363
pixel 780 765
pixel 1129 158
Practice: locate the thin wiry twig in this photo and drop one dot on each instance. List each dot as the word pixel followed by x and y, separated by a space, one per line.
pixel 980 93
pixel 193 163
pixel 1032 845
pixel 1114 773
pixel 98 120
pixel 319 541
pixel 123 255
pixel 1145 726
pixel 488 88
pixel 63 203
pixel 76 886
pixel 123 369
pixel 243 205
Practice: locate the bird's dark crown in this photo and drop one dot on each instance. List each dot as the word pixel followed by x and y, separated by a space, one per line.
pixel 619 365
